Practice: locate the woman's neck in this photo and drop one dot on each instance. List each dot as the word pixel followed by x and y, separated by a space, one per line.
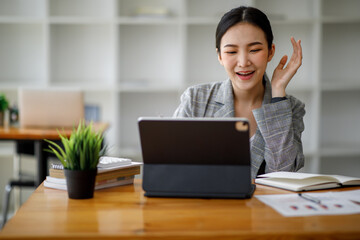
pixel 252 97
pixel 247 100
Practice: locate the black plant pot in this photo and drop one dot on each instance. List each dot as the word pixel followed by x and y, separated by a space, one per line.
pixel 80 183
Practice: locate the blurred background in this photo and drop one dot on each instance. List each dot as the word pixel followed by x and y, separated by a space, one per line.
pixel 134 58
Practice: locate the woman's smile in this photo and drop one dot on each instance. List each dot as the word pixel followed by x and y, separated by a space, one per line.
pixel 245 75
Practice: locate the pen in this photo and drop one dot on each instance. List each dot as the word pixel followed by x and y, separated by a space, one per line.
pixel 309 198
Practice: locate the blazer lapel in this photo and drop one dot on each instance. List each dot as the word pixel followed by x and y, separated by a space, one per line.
pixel 225 100
pixel 258 142
pixel 268 93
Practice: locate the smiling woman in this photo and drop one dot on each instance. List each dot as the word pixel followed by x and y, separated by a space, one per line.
pixel 244 45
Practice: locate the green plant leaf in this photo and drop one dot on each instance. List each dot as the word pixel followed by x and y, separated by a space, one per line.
pixel 59 156
pixel 82 149
pixel 4 103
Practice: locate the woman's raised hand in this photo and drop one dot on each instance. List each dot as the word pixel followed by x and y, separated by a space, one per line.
pixel 282 76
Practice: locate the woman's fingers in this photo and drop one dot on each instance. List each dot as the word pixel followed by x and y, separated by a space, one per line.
pixel 300 50
pixel 282 62
pixel 296 58
pixel 283 74
pixel 293 42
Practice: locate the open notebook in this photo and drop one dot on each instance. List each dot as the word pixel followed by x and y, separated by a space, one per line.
pixel 295 181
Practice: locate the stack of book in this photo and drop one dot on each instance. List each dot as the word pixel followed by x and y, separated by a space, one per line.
pixel 111 172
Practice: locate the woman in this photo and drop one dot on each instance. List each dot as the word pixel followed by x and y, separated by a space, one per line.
pixel 244 44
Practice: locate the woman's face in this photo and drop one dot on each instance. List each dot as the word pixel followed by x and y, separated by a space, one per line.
pixel 244 53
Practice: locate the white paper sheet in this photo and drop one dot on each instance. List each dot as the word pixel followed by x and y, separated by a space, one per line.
pixel 332 203
pixel 352 195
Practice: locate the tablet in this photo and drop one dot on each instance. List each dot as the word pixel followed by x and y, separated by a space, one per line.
pixel 196 157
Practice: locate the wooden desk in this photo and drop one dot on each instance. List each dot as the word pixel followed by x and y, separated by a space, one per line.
pixel 38 135
pixel 124 213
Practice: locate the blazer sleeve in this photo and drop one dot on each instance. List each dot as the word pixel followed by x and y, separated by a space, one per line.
pixel 185 109
pixel 281 125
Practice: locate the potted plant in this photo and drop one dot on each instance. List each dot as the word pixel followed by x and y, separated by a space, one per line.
pixel 3 106
pixel 80 158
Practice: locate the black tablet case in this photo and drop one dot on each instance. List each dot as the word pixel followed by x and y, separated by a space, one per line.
pixel 199 158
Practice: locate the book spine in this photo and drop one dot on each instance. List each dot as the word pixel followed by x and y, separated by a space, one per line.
pixel 115 184
pixel 113 180
pixel 58 173
pixel 63 180
pixel 118 173
pixel 62 186
pixel 55 185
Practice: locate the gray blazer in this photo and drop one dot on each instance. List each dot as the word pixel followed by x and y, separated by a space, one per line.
pixel 277 140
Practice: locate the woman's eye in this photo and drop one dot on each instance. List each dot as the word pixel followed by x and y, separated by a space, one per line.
pixel 231 52
pixel 255 50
